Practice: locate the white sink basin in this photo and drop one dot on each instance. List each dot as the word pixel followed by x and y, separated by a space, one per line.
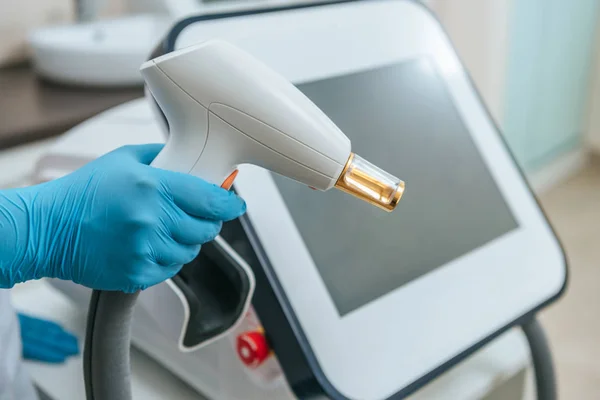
pixel 103 53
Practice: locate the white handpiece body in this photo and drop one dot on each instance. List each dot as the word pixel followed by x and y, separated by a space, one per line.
pixel 225 108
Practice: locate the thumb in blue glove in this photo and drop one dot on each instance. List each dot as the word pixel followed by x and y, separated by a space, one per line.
pixel 46 341
pixel 115 224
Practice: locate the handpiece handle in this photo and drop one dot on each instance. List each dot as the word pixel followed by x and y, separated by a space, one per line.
pixel 218 173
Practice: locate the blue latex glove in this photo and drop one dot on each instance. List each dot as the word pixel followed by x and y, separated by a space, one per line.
pixel 46 341
pixel 115 224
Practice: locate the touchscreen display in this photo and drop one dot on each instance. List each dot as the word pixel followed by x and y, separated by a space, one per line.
pixel 401 118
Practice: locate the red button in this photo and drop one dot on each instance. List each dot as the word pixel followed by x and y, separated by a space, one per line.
pixel 252 348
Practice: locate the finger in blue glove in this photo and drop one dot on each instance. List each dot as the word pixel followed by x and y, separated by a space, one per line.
pixel 115 224
pixel 46 341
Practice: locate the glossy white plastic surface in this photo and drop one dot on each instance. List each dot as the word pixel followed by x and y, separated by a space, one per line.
pixel 255 116
pixel 370 354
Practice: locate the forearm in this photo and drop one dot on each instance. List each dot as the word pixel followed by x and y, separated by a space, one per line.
pixel 14 237
pixel 114 224
pixel 39 232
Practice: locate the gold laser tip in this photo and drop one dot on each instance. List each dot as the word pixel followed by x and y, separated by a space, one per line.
pixel 370 183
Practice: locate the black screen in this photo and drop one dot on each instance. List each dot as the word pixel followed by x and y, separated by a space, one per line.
pixel 402 119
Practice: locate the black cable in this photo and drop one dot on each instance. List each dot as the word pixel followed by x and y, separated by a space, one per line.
pixel 545 379
pixel 106 358
pixel 87 346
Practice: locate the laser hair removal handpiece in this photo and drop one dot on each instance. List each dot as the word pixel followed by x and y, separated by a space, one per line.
pixel 224 108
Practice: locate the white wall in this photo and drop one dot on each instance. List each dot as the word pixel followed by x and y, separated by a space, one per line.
pixel 592 129
pixel 480 30
pixel 18 17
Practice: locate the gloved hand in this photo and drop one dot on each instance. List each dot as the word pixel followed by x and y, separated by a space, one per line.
pixel 46 341
pixel 115 224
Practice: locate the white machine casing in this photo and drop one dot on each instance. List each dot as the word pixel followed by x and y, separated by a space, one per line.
pixel 360 33
pixel 225 109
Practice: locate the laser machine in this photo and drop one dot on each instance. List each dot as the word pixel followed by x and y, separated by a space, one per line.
pixel 351 302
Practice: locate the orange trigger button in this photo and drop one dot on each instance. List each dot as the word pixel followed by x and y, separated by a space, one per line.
pixel 228 182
